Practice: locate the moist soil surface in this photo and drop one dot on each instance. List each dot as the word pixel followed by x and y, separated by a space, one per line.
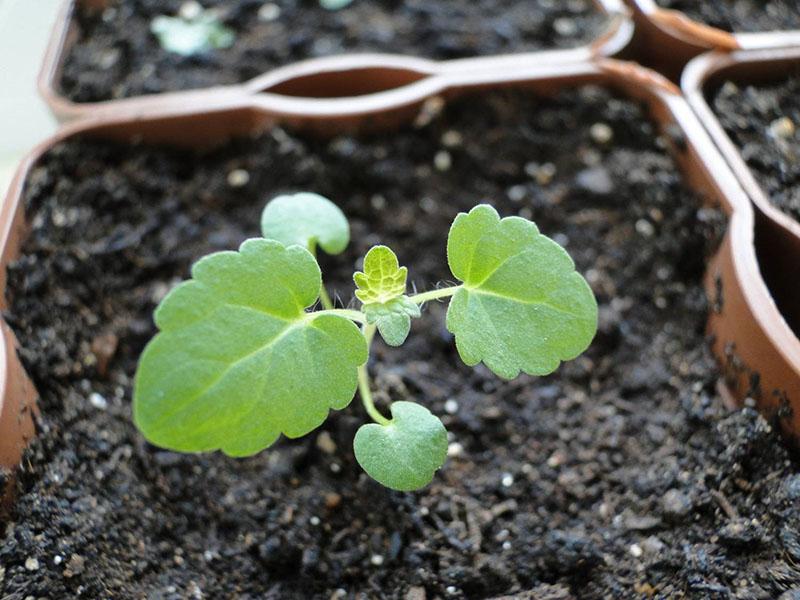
pixel 741 15
pixel 764 121
pixel 619 476
pixel 117 56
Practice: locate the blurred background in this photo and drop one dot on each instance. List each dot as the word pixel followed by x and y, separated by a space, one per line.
pixel 24 119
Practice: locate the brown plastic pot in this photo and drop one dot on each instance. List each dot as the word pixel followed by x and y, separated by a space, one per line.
pixel 350 75
pixel 668 39
pixel 747 319
pixel 777 234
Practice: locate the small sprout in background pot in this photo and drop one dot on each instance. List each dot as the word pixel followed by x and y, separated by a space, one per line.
pixel 240 358
pixel 194 31
pixel 335 4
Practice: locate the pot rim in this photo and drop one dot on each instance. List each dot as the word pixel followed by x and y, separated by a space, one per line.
pixel 612 40
pixel 702 73
pixel 702 36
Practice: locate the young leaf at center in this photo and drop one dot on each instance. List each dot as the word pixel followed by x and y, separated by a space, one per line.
pixel 238 360
pixel 522 306
pixel 382 288
pixel 405 454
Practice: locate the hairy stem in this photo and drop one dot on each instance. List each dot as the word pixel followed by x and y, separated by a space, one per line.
pixel 364 385
pixel 324 298
pixel 353 315
pixel 434 294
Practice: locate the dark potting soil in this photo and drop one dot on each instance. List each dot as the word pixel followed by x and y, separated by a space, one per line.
pixel 741 15
pixel 621 475
pixel 117 56
pixel 764 121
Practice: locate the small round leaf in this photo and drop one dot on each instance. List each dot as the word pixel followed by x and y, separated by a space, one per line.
pixel 404 454
pixel 308 220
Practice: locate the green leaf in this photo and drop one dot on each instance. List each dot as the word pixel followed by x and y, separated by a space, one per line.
pixel 381 288
pixel 189 37
pixel 522 307
pixel 307 220
pixel 238 361
pixel 334 4
pixel 393 318
pixel 383 278
pixel 405 454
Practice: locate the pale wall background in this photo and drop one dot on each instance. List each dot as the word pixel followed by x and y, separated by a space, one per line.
pixel 25 27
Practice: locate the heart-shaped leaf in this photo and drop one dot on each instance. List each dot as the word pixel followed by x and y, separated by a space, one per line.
pixel 522 307
pixel 238 361
pixel 406 453
pixel 308 220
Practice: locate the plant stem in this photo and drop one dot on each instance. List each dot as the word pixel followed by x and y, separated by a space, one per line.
pixel 363 382
pixel 353 315
pixel 324 298
pixel 435 294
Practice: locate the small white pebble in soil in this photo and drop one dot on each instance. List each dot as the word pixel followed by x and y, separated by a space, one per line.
pixel 636 550
pixel 336 468
pixel 506 545
pixel 423 510
pixel 58 559
pixel 376 560
pixel 443 161
pixel 208 556
pixel 451 407
pixel 190 10
pixel 525 213
pixel 452 139
pixel 516 193
pixel 601 133
pixel 661 302
pixel 238 178
pixel 31 564
pixel 451 590
pixel 427 204
pixel 782 128
pixel 98 401
pixel 455 449
pixel 645 228
pixel 314 520
pixel 565 26
pixel 559 238
pixel 378 202
pixel 556 459
pixel 325 443
pixel 507 480
pixel 269 12
pixel 543 174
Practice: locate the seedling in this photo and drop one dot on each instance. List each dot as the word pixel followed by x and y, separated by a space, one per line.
pixel 335 4
pixel 194 31
pixel 244 355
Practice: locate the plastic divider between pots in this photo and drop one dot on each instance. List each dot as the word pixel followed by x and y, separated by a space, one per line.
pixel 340 75
pixel 668 39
